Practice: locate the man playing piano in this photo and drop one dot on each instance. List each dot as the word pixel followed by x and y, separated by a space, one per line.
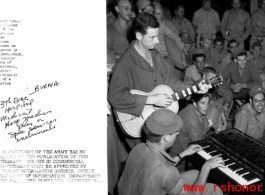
pixel 151 170
pixel 250 118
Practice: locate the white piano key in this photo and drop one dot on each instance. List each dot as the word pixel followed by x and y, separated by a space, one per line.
pixel 229 172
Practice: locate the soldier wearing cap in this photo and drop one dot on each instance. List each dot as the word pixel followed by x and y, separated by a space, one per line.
pixel 159 15
pixel 205 21
pixel 239 76
pixel 184 34
pixel 236 24
pixel 181 22
pixel 151 170
pixel 145 6
pixel 250 118
pixel 166 11
pixel 258 25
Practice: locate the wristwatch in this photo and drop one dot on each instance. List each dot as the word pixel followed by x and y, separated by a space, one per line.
pixel 179 156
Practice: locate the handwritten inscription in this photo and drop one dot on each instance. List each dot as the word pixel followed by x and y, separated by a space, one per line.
pixel 48 85
pixel 22 120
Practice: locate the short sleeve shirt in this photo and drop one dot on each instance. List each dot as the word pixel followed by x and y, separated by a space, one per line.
pixel 249 122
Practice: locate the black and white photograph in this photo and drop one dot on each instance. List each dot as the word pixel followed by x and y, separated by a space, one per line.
pixel 186 97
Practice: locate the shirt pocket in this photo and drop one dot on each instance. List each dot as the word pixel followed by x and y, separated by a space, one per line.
pixel 251 130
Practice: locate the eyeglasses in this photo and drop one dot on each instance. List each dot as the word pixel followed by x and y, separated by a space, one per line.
pixel 126 9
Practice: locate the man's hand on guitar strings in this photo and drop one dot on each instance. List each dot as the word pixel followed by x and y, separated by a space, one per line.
pixel 161 100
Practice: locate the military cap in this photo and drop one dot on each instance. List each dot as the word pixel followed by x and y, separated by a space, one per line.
pixel 163 121
pixel 255 90
pixel 141 4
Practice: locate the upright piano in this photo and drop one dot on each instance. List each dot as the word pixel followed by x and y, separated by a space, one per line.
pixel 244 159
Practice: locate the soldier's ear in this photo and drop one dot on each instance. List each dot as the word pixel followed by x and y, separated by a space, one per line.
pixel 139 36
pixel 194 104
pixel 117 9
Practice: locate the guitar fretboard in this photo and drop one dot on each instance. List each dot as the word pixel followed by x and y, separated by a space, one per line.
pixel 186 92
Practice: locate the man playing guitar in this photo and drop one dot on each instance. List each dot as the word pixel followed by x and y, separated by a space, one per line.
pixel 142 68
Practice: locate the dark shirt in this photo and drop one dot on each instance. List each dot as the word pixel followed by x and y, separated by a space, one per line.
pixel 195 125
pixel 132 71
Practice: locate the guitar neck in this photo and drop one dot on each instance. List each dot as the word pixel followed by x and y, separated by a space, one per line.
pixel 186 92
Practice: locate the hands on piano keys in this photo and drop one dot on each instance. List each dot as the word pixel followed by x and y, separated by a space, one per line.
pixel 230 167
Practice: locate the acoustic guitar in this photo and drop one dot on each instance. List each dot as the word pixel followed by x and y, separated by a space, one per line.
pixel 132 125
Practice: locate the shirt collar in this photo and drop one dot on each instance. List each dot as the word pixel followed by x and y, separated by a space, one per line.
pixel 210 10
pixel 166 155
pixel 136 57
pixel 197 113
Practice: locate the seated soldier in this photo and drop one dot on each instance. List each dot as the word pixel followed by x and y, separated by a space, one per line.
pixel 151 170
pixel 206 45
pixel 198 118
pixel 218 54
pixel 258 60
pixel 240 76
pixel 215 101
pixel 184 34
pixel 232 46
pixel 194 72
pixel 187 50
pixel 250 118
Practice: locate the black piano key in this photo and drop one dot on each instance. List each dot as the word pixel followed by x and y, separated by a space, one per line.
pixel 241 172
pixel 204 144
pixel 225 157
pixel 234 167
pixel 246 176
pixel 228 162
pixel 209 149
pixel 215 153
pixel 250 177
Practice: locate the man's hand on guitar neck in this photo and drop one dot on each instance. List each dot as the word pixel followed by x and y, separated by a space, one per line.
pixel 204 87
pixel 160 100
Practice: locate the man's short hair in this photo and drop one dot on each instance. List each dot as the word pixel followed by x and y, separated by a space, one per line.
pixel 116 2
pixel 197 56
pixel 152 137
pixel 220 39
pixel 178 6
pixel 209 69
pixel 232 41
pixel 143 21
pixel 196 97
pixel 257 44
pixel 242 54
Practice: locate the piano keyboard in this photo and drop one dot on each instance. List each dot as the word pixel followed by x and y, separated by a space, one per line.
pixel 232 169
